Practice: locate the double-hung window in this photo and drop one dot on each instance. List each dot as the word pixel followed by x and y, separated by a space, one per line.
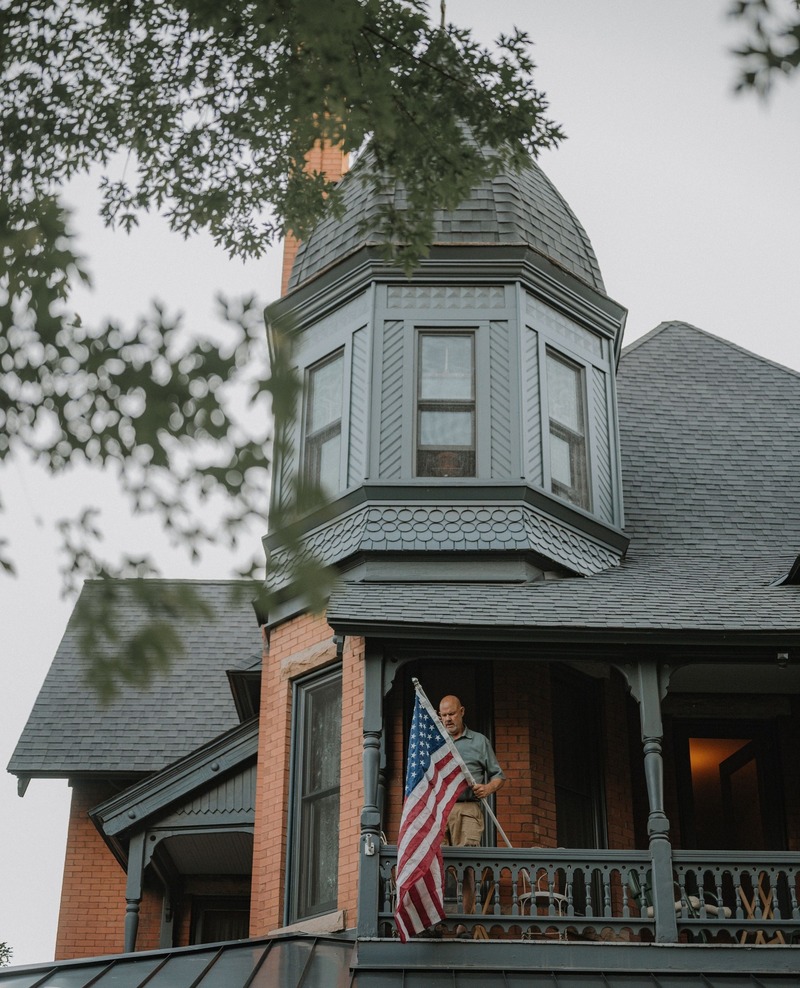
pixel 446 405
pixel 314 879
pixel 323 424
pixel 569 473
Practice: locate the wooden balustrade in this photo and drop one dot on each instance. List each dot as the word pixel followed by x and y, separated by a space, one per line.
pixel 568 894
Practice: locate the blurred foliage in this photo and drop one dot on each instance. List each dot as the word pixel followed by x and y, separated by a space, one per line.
pixel 204 112
pixel 771 47
pixel 5 954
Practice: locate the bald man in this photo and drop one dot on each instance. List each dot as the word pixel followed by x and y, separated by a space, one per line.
pixel 465 823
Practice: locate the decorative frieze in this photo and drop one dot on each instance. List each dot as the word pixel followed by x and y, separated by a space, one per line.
pixel 446 297
pixel 558 327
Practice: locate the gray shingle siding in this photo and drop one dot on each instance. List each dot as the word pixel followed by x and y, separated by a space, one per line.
pixel 523 208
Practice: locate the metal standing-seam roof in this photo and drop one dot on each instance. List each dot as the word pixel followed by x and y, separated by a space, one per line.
pixel 71 732
pixel 514 208
pixel 710 458
pixel 304 961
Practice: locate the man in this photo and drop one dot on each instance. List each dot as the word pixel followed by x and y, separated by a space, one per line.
pixel 465 823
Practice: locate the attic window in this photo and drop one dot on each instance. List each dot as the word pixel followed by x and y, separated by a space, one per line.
pixel 567 412
pixel 446 405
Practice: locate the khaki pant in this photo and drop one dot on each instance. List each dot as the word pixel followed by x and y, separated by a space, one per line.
pixel 464 825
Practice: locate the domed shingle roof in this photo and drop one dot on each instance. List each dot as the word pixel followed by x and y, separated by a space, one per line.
pixel 514 208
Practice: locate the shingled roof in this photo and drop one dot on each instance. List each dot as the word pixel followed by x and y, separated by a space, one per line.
pixel 70 732
pixel 710 454
pixel 515 208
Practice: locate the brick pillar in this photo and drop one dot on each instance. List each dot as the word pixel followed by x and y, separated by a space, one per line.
pixel 91 918
pixel 542 780
pixel 513 713
pixel 297 647
pixel 619 792
pixel 333 163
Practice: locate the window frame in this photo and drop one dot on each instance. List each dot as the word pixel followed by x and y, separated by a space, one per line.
pixel 426 404
pixel 312 442
pixel 578 444
pixel 302 848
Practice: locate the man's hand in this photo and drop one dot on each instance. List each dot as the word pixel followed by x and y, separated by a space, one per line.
pixel 482 790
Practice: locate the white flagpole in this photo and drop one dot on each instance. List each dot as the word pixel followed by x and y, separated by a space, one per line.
pixel 426 703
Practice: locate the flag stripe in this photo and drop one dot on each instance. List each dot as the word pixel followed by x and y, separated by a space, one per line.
pixel 433 782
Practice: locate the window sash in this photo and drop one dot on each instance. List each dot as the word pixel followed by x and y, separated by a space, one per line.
pixel 316 775
pixel 446 408
pixel 569 467
pixel 322 446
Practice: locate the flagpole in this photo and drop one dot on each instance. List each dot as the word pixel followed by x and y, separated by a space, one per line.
pixel 426 703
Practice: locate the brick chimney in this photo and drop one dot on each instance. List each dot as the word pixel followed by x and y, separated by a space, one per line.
pixel 333 163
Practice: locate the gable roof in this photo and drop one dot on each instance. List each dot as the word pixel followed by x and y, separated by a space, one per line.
pixel 710 454
pixel 710 459
pixel 199 771
pixel 70 732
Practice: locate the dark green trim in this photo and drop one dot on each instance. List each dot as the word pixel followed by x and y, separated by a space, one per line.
pixel 452 264
pixel 454 491
pixel 131 810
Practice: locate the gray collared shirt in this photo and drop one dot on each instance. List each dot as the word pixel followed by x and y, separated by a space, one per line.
pixel 481 760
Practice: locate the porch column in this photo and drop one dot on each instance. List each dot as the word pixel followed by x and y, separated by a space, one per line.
pixel 370 842
pixel 133 890
pixel 648 682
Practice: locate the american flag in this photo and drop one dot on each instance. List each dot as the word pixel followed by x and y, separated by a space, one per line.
pixel 433 782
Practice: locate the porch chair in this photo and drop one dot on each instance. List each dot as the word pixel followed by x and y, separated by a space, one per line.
pixel 530 899
pixel 641 895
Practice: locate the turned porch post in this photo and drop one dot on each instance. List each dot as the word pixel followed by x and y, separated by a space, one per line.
pixel 648 682
pixel 370 843
pixel 133 890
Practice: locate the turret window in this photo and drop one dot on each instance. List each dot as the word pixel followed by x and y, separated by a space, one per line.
pixel 323 425
pixel 446 405
pixel 567 410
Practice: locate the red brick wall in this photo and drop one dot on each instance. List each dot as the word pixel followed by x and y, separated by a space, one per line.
pixel 619 794
pixel 542 780
pixel 92 916
pixel 514 700
pixel 525 805
pixel 272 791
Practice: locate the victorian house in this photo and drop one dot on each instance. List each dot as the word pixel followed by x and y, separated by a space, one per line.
pixel 595 548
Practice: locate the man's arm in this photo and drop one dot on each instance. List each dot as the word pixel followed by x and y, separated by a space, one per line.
pixel 492 771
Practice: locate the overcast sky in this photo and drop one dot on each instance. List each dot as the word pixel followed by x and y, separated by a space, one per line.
pixel 689 194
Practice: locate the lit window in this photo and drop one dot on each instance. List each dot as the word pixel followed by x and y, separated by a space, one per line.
pixel 566 405
pixel 315 830
pixel 323 429
pixel 446 405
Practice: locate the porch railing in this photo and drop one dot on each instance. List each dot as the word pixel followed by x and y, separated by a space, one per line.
pixel 568 894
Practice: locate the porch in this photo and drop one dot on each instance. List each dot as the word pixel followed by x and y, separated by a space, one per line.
pixel 565 894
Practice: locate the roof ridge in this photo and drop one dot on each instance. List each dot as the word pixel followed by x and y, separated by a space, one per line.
pixel 669 323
